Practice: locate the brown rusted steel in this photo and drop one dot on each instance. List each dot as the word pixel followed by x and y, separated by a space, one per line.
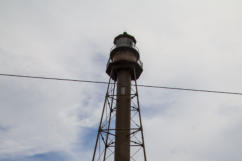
pixel 120 138
pixel 99 128
pixel 109 120
pixel 142 133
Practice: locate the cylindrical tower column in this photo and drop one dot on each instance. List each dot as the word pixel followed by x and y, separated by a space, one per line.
pixel 122 138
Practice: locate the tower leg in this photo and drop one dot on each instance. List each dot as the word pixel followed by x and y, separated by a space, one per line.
pixel 140 121
pixel 104 145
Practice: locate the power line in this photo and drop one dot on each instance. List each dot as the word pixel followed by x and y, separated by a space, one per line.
pixel 52 78
pixel 189 89
pixel 140 85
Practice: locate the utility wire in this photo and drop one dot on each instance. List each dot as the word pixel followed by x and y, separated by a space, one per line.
pixel 140 85
pixel 51 78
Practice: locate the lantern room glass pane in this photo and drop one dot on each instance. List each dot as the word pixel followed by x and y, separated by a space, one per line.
pixel 124 42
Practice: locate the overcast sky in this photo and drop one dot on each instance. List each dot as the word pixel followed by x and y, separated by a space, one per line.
pixel 182 43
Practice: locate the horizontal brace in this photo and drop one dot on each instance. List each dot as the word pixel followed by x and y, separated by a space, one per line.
pixel 136 143
pixel 130 145
pixel 108 133
pixel 122 95
pixel 122 129
pixel 137 130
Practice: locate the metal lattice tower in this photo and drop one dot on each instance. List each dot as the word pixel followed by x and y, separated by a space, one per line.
pixel 120 133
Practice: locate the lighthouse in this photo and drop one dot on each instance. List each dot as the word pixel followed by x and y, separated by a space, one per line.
pixel 124 67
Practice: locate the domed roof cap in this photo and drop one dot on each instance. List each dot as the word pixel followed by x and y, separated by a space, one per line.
pixel 125 34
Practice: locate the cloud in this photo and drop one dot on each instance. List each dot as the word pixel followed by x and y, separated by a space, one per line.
pixel 184 44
